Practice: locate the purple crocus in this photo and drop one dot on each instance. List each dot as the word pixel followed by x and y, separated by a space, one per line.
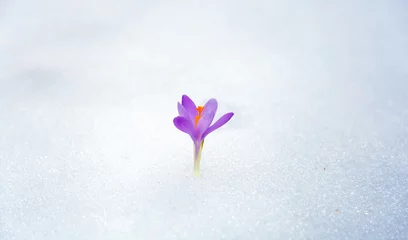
pixel 196 121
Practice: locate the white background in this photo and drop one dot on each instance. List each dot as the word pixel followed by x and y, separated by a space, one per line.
pixel 317 148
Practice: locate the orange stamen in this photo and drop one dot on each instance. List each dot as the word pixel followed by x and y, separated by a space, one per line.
pixel 199 110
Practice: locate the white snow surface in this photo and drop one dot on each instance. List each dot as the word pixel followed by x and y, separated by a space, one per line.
pixel 317 149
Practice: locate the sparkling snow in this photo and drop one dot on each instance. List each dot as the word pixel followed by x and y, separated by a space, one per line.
pixel 317 149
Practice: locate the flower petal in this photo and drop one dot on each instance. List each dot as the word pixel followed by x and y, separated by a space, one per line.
pixel 190 106
pixel 182 111
pixel 183 124
pixel 207 116
pixel 223 120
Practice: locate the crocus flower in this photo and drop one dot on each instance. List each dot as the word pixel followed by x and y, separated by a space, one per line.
pixel 196 121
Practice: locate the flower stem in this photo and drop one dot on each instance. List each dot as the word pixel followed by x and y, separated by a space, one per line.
pixel 198 148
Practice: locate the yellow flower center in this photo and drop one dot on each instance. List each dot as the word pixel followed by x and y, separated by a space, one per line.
pixel 199 110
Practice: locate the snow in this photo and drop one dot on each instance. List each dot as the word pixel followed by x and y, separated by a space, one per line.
pixel 317 148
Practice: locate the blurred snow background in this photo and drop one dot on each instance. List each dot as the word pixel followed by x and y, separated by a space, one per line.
pixel 318 148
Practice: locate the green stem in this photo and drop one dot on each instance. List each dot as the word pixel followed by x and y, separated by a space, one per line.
pixel 198 148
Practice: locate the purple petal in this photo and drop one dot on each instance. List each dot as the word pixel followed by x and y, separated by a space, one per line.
pixel 223 120
pixel 182 111
pixel 190 106
pixel 207 116
pixel 183 124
